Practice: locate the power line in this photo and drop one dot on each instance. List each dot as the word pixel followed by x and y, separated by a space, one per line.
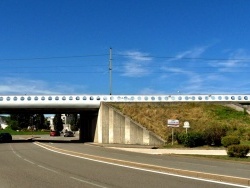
pixel 184 58
pixel 53 66
pixel 120 72
pixel 56 57
pixel 126 55
pixel 57 72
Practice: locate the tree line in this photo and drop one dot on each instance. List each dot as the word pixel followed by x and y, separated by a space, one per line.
pixel 30 121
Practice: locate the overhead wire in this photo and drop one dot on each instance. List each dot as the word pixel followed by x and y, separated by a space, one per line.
pixel 45 58
pixel 125 55
pixel 117 65
pixel 184 58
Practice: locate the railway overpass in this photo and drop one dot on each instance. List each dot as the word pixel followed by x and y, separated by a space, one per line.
pixel 99 122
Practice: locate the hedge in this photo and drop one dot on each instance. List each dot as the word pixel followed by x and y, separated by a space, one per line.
pixel 230 140
pixel 192 139
pixel 239 151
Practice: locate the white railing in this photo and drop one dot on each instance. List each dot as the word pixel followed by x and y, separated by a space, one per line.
pixel 91 101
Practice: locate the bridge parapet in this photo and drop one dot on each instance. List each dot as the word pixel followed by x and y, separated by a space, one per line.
pixel 95 100
pixel 179 98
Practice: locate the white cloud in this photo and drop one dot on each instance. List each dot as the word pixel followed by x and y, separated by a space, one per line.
pixel 192 80
pixel 237 60
pixel 207 78
pixel 176 70
pixel 137 56
pixel 192 53
pixel 134 69
pixel 192 75
pixel 26 86
pixel 23 86
pixel 136 64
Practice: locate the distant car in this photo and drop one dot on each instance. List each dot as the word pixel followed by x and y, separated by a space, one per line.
pixel 5 137
pixel 55 133
pixel 68 134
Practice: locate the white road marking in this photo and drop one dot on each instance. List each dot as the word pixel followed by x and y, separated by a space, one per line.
pixel 14 152
pixel 29 161
pixel 47 169
pixel 19 156
pixel 142 169
pixel 84 181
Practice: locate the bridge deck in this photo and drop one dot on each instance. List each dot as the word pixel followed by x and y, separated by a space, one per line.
pixel 93 101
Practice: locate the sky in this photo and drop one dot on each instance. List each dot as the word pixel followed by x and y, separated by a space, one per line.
pixel 158 47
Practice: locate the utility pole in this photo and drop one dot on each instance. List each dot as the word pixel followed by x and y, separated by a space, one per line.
pixel 110 71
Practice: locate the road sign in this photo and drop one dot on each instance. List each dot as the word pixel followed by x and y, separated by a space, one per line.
pixel 173 123
pixel 186 125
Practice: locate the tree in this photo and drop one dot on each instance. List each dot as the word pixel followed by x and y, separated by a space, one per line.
pixel 21 121
pixel 24 120
pixel 39 121
pixel 12 123
pixel 74 122
pixel 58 123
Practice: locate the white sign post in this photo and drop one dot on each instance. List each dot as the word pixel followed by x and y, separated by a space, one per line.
pixel 173 123
pixel 186 126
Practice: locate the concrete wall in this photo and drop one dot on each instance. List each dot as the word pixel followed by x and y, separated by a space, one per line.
pixel 114 127
pixel 239 107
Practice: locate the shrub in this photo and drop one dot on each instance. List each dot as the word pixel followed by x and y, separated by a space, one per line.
pixel 230 140
pixel 238 151
pixel 192 139
pixel 14 126
pixel 180 137
pixel 213 135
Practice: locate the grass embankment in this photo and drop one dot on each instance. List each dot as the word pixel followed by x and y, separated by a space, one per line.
pixel 154 117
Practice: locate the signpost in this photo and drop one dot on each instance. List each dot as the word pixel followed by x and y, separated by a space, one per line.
pixel 186 126
pixel 173 123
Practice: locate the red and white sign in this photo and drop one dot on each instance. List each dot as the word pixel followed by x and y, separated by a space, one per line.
pixel 173 123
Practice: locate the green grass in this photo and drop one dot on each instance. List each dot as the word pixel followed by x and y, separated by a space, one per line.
pixel 219 157
pixel 13 132
pixel 206 147
pixel 225 113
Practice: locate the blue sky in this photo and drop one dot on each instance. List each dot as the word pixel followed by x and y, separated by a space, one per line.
pixel 158 46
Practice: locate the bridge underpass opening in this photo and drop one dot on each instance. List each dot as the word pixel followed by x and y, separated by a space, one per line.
pixel 88 123
pixel 88 119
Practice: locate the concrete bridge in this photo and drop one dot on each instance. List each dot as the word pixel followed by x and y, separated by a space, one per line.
pixel 100 122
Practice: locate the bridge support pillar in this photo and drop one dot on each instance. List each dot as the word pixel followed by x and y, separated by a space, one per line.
pixel 88 121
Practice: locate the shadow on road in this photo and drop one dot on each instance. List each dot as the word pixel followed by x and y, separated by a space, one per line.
pixel 45 140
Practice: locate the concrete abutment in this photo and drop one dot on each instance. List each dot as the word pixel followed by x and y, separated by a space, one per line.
pixel 109 126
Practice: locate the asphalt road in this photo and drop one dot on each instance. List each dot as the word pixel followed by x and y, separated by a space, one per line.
pixel 25 165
